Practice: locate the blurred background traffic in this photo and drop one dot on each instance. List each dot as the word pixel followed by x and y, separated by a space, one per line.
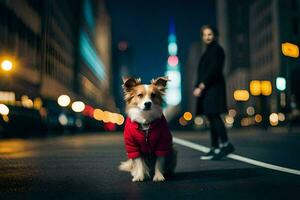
pixel 62 62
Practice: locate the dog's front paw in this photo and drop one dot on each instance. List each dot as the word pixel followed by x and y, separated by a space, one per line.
pixel 138 178
pixel 158 177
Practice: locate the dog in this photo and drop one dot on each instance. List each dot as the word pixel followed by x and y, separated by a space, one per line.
pixel 147 138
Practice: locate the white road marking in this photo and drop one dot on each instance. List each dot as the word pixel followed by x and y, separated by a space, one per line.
pixel 236 157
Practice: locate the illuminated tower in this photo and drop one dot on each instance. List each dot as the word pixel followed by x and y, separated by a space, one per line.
pixel 173 93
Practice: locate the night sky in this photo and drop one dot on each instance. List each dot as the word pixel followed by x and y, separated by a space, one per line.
pixel 145 25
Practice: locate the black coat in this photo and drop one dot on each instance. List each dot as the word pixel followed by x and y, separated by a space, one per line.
pixel 210 72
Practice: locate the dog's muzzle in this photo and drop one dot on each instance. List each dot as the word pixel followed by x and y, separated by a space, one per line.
pixel 147 105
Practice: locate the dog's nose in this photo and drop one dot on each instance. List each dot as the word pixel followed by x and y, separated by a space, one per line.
pixel 148 104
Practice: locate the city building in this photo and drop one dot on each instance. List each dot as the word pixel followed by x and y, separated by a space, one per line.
pixel 253 53
pixel 93 72
pixel 122 66
pixel 276 22
pixel 51 47
pixel 43 38
pixel 20 44
pixel 233 27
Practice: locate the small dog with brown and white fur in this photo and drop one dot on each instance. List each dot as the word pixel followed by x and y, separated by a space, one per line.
pixel 148 140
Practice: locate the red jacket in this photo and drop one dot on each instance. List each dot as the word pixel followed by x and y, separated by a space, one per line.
pixel 157 139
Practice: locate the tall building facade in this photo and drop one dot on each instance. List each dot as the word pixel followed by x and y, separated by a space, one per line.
pixel 93 72
pixel 122 62
pixel 20 42
pixel 233 26
pixel 276 22
pixel 253 50
pixel 57 47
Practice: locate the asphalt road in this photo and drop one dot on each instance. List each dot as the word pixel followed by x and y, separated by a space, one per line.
pixel 85 167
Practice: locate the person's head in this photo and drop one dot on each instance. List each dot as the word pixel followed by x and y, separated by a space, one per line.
pixel 208 34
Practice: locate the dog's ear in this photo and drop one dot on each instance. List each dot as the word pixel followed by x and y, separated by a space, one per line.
pixel 129 82
pixel 160 82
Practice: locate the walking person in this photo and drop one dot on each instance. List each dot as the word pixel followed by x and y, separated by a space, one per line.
pixel 211 94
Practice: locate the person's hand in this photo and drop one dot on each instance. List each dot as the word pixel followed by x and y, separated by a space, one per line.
pixel 197 92
pixel 201 86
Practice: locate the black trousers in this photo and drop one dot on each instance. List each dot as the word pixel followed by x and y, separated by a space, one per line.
pixel 217 130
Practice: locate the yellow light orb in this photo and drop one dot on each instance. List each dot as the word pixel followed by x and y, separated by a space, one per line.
pixel 255 87
pixel 120 120
pixel 241 95
pixel 98 114
pixel 106 116
pixel 266 88
pixel 229 119
pixel 37 103
pixel 274 119
pixel 6 65
pixel 187 116
pixel 290 50
pixel 258 118
pixel 5 118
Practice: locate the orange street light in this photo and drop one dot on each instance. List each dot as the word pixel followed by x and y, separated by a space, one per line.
pixel 290 50
pixel 187 116
pixel 266 88
pixel 6 65
pixel 255 87
pixel 241 95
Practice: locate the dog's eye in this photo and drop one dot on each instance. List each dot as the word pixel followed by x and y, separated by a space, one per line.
pixel 140 95
pixel 153 95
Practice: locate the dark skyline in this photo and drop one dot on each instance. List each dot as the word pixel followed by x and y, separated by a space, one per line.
pixel 145 25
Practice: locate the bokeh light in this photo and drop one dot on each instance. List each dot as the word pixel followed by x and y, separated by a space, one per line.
pixel 250 110
pixel 187 116
pixel 98 114
pixel 172 48
pixel 199 121
pixel 63 100
pixel 62 119
pixel 182 121
pixel 229 119
pixel 255 87
pixel 258 118
pixel 273 119
pixel 4 110
pixel 78 106
pixel 281 117
pixel 266 88
pixel 241 95
pixel 173 61
pixel 232 112
pixel 6 65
